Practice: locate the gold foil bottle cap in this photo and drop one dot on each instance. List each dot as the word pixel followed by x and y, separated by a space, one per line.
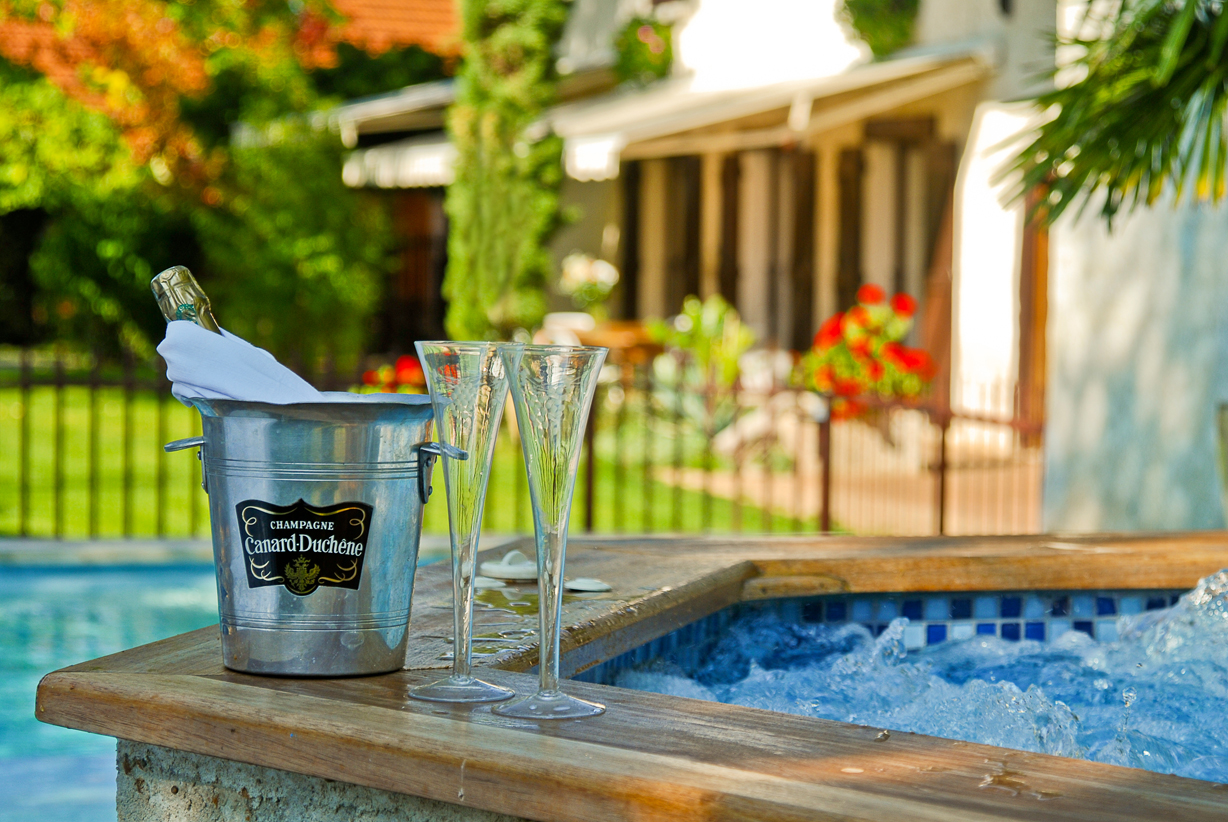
pixel 180 297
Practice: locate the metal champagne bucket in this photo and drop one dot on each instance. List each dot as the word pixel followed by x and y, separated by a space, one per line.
pixel 316 511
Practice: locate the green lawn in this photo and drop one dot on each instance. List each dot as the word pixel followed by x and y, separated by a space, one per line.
pixel 627 498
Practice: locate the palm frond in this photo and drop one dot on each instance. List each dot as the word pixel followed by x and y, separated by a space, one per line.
pixel 1148 113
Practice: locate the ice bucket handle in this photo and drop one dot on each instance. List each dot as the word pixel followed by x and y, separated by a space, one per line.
pixel 428 451
pixel 184 444
pixel 181 445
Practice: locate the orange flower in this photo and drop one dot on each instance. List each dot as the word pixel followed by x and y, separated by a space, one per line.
pixel 858 316
pixel 903 305
pixel 829 332
pixel 870 294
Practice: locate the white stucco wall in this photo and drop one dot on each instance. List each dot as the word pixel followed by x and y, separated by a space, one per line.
pixel 985 285
pixel 1138 344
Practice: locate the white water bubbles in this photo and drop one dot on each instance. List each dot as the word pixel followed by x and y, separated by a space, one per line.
pixel 1154 699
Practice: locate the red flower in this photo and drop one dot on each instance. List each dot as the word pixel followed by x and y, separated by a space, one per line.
pixel 893 353
pixel 870 294
pixel 861 347
pixel 409 371
pixel 846 387
pixel 370 377
pixel 858 316
pixel 903 305
pixel 829 332
pixel 874 370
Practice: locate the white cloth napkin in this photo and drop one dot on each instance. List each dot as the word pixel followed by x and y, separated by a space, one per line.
pixel 201 364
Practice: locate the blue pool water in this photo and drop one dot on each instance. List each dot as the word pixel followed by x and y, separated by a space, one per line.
pixel 1152 693
pixel 50 618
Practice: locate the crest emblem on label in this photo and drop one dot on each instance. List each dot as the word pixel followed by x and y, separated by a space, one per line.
pixel 303 547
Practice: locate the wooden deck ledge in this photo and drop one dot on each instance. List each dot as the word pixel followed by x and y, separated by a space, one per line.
pixel 653 757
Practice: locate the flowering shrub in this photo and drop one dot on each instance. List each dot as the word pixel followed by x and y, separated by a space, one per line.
pixel 587 281
pixel 858 353
pixel 403 377
pixel 696 374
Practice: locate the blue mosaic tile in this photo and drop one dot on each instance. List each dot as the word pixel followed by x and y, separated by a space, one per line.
pixel 936 608
pixel 986 607
pixel 1039 616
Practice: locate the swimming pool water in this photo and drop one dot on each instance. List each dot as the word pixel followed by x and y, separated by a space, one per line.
pixel 1156 698
pixel 50 618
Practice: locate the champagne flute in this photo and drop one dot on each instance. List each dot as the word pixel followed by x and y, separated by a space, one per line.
pixel 468 384
pixel 552 389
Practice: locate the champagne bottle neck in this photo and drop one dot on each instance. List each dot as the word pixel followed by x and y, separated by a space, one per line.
pixel 180 297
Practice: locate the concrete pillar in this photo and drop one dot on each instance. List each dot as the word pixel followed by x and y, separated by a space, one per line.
pixel 782 267
pixel 710 212
pixel 755 239
pixel 654 250
pixel 878 215
pixel 827 229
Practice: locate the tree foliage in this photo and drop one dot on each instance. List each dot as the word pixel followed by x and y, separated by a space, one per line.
pixel 115 124
pixel 1149 111
pixel 504 202
pixel 884 25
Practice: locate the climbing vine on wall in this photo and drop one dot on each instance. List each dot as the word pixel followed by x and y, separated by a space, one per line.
pixel 504 203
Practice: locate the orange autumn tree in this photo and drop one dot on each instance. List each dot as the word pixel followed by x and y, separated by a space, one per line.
pixel 859 354
pixel 115 139
pixel 136 61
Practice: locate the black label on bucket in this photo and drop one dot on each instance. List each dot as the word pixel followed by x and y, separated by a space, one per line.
pixel 303 547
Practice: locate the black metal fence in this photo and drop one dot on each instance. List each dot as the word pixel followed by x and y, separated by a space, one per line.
pixel 81 446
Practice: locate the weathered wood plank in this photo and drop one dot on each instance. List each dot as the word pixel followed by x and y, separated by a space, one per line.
pixel 655 757
pixel 650 757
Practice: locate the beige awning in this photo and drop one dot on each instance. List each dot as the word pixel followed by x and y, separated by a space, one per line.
pixel 419 162
pixel 671 118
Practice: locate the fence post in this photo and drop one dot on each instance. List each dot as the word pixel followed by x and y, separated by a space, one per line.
pixel 23 458
pixel 57 454
pixel 825 467
pixel 943 424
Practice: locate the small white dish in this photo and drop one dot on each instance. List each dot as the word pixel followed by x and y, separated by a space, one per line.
pixel 484 583
pixel 513 566
pixel 586 585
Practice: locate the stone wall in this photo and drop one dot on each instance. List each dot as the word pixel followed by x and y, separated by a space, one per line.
pixel 1137 336
pixel 157 784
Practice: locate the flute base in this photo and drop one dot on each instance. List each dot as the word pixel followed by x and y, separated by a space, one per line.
pixel 549 705
pixel 461 689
